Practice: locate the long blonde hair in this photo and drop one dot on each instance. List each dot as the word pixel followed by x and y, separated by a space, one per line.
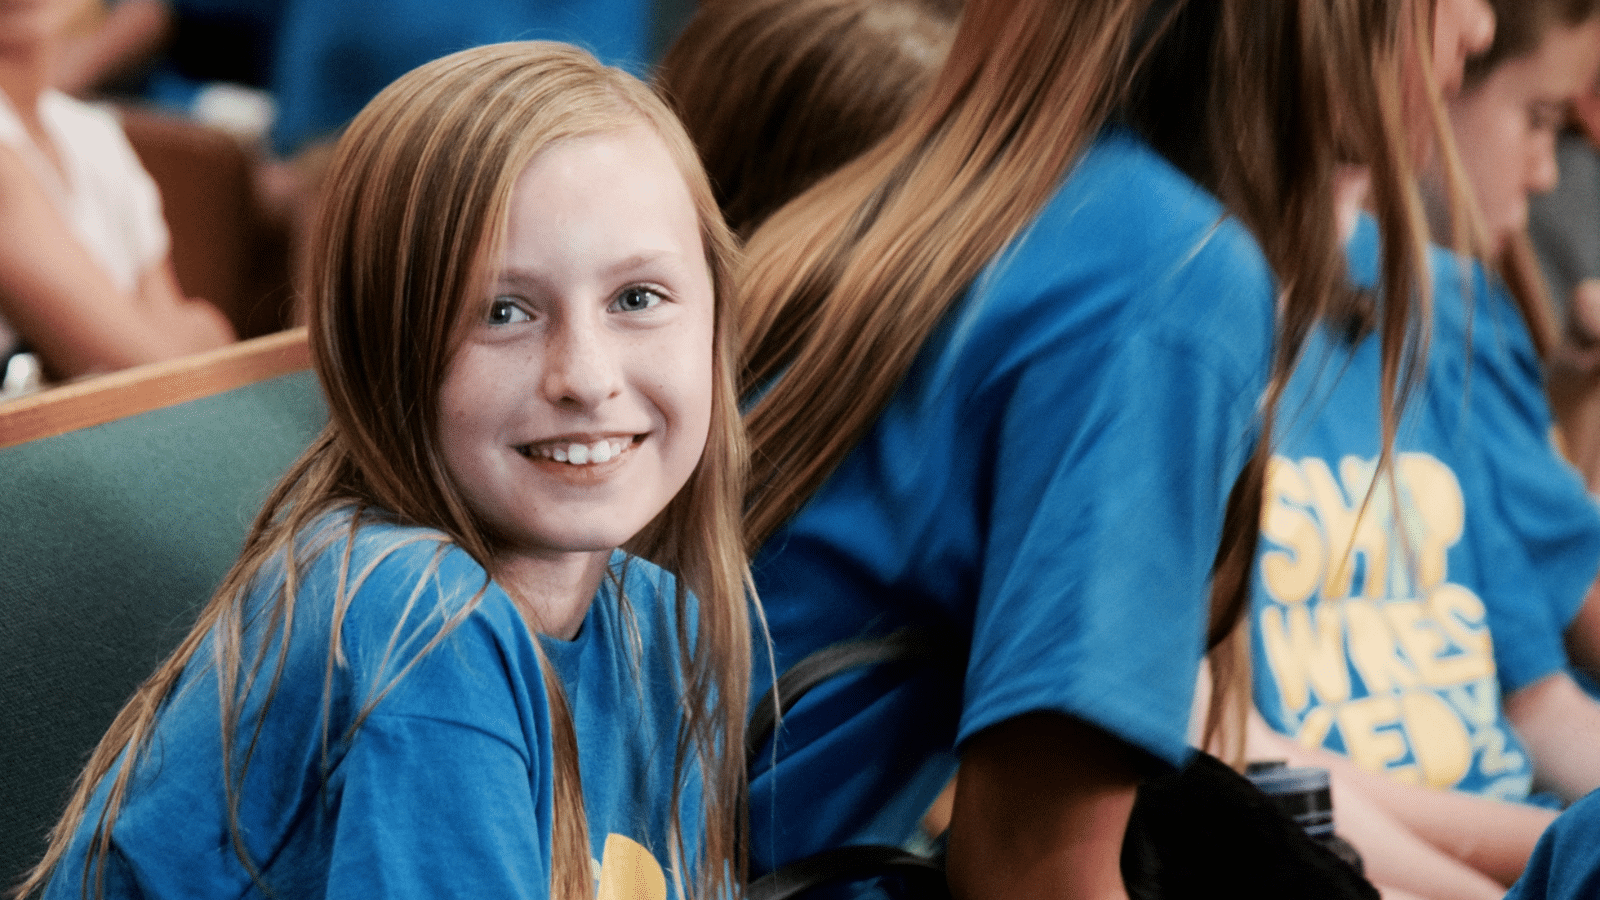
pixel 1257 100
pixel 416 206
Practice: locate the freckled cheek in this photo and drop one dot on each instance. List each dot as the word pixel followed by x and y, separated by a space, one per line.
pixel 680 381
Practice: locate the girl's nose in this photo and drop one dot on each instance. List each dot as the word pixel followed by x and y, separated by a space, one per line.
pixel 1543 172
pixel 1477 28
pixel 583 365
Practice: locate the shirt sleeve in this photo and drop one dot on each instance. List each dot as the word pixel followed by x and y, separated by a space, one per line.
pixel 1095 587
pixel 445 789
pixel 1565 864
pixel 435 807
pixel 1549 524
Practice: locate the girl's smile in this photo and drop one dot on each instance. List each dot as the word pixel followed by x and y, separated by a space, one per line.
pixel 580 451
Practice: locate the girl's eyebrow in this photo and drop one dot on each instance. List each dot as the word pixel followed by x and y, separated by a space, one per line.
pixel 640 260
pixel 514 277
pixel 518 276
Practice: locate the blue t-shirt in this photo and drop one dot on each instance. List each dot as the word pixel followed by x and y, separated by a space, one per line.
pixel 1047 487
pixel 332 57
pixel 1539 501
pixel 1372 629
pixel 445 789
pixel 1565 864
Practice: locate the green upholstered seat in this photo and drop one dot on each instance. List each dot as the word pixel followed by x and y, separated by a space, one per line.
pixel 111 538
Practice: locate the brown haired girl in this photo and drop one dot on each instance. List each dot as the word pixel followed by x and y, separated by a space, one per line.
pixel 431 634
pixel 1007 372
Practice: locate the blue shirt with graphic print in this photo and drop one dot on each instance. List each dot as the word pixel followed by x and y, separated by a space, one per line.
pixel 1391 614
pixel 420 764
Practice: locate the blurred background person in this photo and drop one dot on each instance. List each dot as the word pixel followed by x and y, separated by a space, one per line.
pixel 86 280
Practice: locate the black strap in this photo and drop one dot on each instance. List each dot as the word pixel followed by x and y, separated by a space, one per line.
pixel 839 865
pixel 908 645
pixel 920 876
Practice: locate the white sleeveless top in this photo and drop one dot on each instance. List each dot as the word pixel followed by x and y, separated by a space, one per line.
pixel 107 198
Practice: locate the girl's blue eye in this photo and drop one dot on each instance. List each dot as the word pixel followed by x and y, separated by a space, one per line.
pixel 635 299
pixel 505 311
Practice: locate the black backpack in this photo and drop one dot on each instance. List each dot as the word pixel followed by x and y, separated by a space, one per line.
pixel 1204 831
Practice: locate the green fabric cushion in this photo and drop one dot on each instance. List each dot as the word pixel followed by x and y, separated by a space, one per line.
pixel 111 539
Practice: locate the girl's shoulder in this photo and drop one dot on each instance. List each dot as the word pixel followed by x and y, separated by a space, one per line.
pixel 360 544
pixel 76 116
pixel 1128 227
pixel 1127 249
pixel 91 133
pixel 377 578
pixel 1149 215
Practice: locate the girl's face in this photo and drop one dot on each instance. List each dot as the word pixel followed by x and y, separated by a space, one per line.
pixel 580 399
pixel 1505 127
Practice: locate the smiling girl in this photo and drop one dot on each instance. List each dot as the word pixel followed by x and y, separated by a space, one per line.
pixel 432 673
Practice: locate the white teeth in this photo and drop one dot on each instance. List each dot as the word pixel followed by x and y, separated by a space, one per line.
pixel 600 451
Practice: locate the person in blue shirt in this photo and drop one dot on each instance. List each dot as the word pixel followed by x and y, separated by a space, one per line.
pixel 1005 371
pixel 433 672
pixel 1506 122
pixel 1410 619
pixel 1387 587
pixel 331 58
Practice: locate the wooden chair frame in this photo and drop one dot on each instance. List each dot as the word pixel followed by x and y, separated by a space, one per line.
pixel 105 398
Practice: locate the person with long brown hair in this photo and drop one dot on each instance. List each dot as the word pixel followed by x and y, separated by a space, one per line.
pixel 1388 596
pixel 1006 372
pixel 1507 120
pixel 432 671
pixel 1406 627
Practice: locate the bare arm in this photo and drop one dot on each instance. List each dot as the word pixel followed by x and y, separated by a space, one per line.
pixel 132 32
pixel 55 295
pixel 1042 802
pixel 1397 859
pixel 1435 843
pixel 1560 725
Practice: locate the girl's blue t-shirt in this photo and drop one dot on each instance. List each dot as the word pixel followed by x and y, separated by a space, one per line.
pixel 1539 501
pixel 403 773
pixel 1045 490
pixel 1391 617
